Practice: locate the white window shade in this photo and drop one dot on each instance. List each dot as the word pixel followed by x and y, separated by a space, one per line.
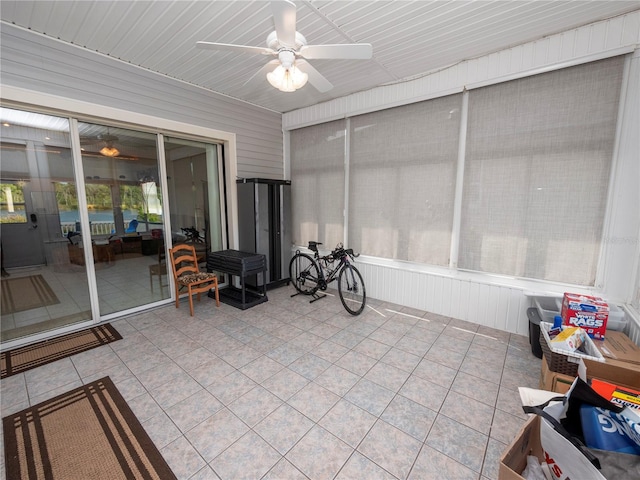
pixel 538 160
pixel 317 187
pixel 402 180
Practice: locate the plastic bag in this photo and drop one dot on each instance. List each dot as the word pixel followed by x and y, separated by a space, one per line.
pixel 533 470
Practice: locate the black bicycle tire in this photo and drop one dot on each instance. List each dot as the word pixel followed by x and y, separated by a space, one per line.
pixel 364 292
pixel 293 276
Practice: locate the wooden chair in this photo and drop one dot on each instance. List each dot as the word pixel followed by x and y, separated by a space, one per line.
pixel 186 274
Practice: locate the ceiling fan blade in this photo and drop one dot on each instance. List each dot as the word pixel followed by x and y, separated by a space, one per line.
pixel 235 48
pixel 261 74
pixel 284 16
pixel 315 77
pixel 352 51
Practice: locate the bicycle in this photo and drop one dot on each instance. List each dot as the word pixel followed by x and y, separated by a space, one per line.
pixel 310 274
pixel 192 234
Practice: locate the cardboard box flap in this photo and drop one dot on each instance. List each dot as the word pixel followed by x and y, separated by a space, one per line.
pixel 618 346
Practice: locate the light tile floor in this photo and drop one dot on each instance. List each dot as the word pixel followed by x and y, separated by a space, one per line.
pixel 123 283
pixel 293 390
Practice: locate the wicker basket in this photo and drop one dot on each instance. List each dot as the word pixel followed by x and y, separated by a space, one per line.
pixel 561 361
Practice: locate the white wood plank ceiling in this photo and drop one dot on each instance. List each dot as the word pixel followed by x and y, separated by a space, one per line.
pixel 409 38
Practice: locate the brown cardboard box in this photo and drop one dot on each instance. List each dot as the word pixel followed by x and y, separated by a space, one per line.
pixel 527 442
pixel 617 347
pixel 554 381
pixel 620 373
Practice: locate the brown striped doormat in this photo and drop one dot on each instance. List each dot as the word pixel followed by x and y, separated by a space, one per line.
pixel 26 293
pixel 47 351
pixel 89 433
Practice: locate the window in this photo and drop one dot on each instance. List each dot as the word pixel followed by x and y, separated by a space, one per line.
pixel 402 181
pixel 12 207
pixel 317 165
pixel 537 168
pixel 537 165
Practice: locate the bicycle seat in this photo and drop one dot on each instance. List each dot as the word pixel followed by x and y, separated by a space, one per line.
pixel 313 246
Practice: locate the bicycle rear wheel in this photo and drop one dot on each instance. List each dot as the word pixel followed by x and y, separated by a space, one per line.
pixel 304 273
pixel 351 289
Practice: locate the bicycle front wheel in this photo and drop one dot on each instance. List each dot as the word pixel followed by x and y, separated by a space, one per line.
pixel 351 289
pixel 304 273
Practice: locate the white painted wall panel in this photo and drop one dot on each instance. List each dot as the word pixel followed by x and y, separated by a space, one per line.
pixel 492 305
pixel 42 64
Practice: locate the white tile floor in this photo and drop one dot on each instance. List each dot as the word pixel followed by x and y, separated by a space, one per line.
pixel 293 390
pixel 122 284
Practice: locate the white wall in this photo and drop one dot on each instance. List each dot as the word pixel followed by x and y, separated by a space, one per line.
pixel 41 64
pixel 491 300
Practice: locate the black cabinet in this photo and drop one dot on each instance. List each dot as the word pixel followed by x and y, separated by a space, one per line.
pixel 264 212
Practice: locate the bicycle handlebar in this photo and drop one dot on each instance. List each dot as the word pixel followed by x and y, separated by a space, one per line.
pixel 340 252
pixel 337 253
pixel 351 254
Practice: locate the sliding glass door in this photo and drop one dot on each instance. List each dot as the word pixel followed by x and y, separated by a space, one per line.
pixel 102 217
pixel 42 288
pixel 124 205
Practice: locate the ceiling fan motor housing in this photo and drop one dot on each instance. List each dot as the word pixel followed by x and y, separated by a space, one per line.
pixel 274 44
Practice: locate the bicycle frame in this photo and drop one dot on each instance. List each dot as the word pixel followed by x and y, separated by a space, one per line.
pixel 328 274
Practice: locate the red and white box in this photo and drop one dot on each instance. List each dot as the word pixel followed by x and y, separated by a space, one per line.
pixel 587 312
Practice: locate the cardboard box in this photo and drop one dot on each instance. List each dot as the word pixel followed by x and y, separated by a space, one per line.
pixel 589 313
pixel 617 347
pixel 554 381
pixel 620 373
pixel 527 442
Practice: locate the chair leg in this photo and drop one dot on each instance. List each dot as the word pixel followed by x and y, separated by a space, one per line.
pixel 217 296
pixel 151 281
pixel 191 301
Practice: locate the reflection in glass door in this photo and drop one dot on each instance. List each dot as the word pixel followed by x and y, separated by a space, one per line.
pixel 194 174
pixel 42 287
pixel 124 202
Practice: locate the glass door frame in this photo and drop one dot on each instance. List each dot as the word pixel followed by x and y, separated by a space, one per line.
pixel 83 211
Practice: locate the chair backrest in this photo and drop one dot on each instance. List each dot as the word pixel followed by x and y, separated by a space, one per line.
pixel 183 260
pixel 133 226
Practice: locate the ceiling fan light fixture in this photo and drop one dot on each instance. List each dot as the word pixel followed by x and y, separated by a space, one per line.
pixel 287 79
pixel 109 151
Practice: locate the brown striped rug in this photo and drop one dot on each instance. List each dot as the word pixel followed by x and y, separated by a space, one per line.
pixel 89 433
pixel 26 293
pixel 47 351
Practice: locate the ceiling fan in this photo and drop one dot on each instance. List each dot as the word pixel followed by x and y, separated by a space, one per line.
pixel 106 141
pixel 291 49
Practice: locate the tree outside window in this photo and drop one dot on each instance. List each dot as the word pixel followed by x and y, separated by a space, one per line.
pixel 12 206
